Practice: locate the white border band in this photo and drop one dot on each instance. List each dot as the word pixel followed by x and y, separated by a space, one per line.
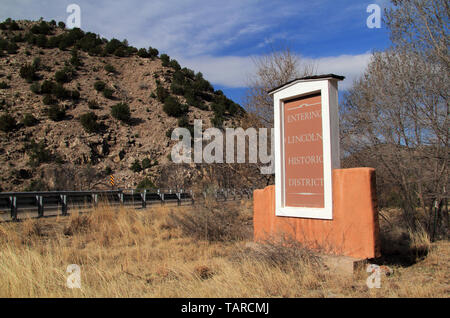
pixel 330 129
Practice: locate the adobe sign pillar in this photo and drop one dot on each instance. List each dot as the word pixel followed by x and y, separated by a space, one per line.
pixel 313 200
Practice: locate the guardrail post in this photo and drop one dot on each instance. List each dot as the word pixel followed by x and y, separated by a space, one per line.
pixel 161 195
pixel 13 203
pixel 121 197
pixel 95 199
pixel 144 199
pixel 63 198
pixel 178 194
pixel 40 204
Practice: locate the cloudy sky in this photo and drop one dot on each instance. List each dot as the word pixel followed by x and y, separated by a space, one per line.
pixel 221 38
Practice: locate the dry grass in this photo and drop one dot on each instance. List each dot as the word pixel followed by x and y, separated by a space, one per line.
pixel 129 253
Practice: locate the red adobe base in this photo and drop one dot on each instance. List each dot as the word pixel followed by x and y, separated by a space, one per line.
pixel 353 231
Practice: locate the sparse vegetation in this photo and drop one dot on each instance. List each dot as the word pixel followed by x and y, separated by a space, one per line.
pixel 174 108
pixel 28 72
pixel 38 153
pixel 29 120
pixel 99 86
pixel 146 183
pixel 108 93
pixel 7 123
pixel 121 111
pixel 110 69
pixel 89 122
pixel 136 166
pixel 93 104
pixel 56 113
pixel 64 75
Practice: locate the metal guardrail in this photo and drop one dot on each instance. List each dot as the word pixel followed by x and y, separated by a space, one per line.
pixel 40 202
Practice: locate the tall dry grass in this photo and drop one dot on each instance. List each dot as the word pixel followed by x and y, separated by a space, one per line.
pixel 123 252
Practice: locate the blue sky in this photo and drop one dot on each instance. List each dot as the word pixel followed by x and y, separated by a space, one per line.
pixel 221 38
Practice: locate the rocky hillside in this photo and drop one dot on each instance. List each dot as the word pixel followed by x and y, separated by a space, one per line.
pixel 75 108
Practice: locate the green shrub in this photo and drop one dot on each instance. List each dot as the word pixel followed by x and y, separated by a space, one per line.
pixel 7 123
pixel 92 104
pixel 60 92
pixel 62 76
pixel 4 85
pixel 89 122
pixel 37 63
pixel 75 95
pixel 14 26
pixel 38 153
pixel 177 89
pixel 173 108
pixel 183 121
pixel 165 59
pixel 152 52
pixel 136 166
pixel 108 93
pixel 41 41
pixel 61 25
pixel 146 163
pixel 121 111
pixel 12 48
pixel 56 113
pixel 112 46
pixel 47 87
pixel 143 53
pixel 43 28
pixel 109 68
pixel 99 86
pixel 35 88
pixel 18 38
pixel 28 72
pixel 75 59
pixel 146 183
pixel 48 100
pixel 29 120
pixel 174 64
pixel 217 121
pixel 161 93
pixel 108 170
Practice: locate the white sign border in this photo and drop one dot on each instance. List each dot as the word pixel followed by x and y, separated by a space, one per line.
pixel 330 127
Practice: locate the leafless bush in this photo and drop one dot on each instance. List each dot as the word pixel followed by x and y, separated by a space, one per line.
pixel 396 116
pixel 272 70
pixel 282 252
pixel 78 224
pixel 211 223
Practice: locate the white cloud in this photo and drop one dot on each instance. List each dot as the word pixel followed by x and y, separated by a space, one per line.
pixel 233 71
pixel 350 66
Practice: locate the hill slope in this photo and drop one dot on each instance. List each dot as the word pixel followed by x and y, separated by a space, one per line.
pixel 76 108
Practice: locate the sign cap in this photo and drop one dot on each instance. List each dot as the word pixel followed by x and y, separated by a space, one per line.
pixel 312 77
